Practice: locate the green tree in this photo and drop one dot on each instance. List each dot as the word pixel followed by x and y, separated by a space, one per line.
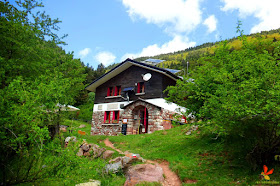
pixel 35 75
pixel 238 93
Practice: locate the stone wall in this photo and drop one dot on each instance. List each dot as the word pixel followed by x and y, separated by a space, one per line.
pixel 98 127
pixel 158 119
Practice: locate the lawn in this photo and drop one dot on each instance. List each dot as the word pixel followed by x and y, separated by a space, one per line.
pixel 196 158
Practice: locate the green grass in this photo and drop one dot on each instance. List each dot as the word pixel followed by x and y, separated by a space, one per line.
pixel 194 157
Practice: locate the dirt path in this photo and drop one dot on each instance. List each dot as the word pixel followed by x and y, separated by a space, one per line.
pixel 171 179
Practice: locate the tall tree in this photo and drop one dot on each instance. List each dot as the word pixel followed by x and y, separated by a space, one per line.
pixel 35 75
pixel 238 93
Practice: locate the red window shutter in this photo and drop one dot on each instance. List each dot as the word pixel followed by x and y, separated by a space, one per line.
pixel 108 91
pixel 116 91
pixel 114 116
pixel 145 119
pixel 105 117
pixel 138 87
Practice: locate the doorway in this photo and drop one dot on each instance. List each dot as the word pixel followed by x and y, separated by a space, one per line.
pixel 140 125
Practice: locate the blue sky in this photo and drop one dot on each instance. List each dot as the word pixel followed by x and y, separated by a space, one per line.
pixel 110 31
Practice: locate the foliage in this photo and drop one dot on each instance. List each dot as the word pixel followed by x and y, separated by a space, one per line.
pixel 238 93
pixel 179 59
pixel 35 75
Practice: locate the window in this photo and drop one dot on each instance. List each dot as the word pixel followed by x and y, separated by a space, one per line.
pixel 110 91
pixel 140 87
pixel 116 116
pixel 114 91
pixel 107 117
pixel 118 90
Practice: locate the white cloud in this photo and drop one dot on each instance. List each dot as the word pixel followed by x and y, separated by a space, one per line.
pixel 174 15
pixel 211 23
pixel 83 53
pixel 178 43
pixel 106 58
pixel 266 11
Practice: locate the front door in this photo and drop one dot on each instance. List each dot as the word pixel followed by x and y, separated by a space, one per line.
pixel 143 121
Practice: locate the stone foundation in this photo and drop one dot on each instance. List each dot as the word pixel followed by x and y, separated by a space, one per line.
pixel 158 119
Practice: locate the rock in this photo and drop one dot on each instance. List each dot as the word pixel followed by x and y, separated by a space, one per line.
pixel 108 154
pixel 94 146
pixel 117 159
pixel 85 147
pixel 97 152
pixel 82 126
pixel 80 152
pixel 134 157
pixel 127 160
pixel 72 138
pixel 91 183
pixel 86 154
pixel 67 139
pixel 122 162
pixel 114 167
pixel 144 173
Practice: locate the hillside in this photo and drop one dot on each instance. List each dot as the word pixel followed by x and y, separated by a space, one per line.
pixel 179 59
pixel 195 156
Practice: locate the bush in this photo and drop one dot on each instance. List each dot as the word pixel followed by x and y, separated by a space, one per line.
pixel 238 93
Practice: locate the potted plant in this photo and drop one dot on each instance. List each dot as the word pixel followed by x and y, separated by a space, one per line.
pixel 115 121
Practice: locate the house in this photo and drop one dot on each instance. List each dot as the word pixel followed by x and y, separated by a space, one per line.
pixel 129 99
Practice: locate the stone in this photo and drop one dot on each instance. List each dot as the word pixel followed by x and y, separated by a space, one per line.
pixel 114 167
pixel 86 154
pixel 98 152
pixel 85 147
pixel 80 152
pixel 82 126
pixel 108 154
pixel 90 183
pixel 67 139
pixel 123 162
pixel 144 173
pixel 117 159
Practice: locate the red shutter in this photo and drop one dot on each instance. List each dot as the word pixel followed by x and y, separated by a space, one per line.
pixel 114 116
pixel 105 116
pixel 138 87
pixel 116 91
pixel 145 119
pixel 108 91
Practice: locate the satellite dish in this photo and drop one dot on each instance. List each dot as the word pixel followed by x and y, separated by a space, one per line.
pixel 147 77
